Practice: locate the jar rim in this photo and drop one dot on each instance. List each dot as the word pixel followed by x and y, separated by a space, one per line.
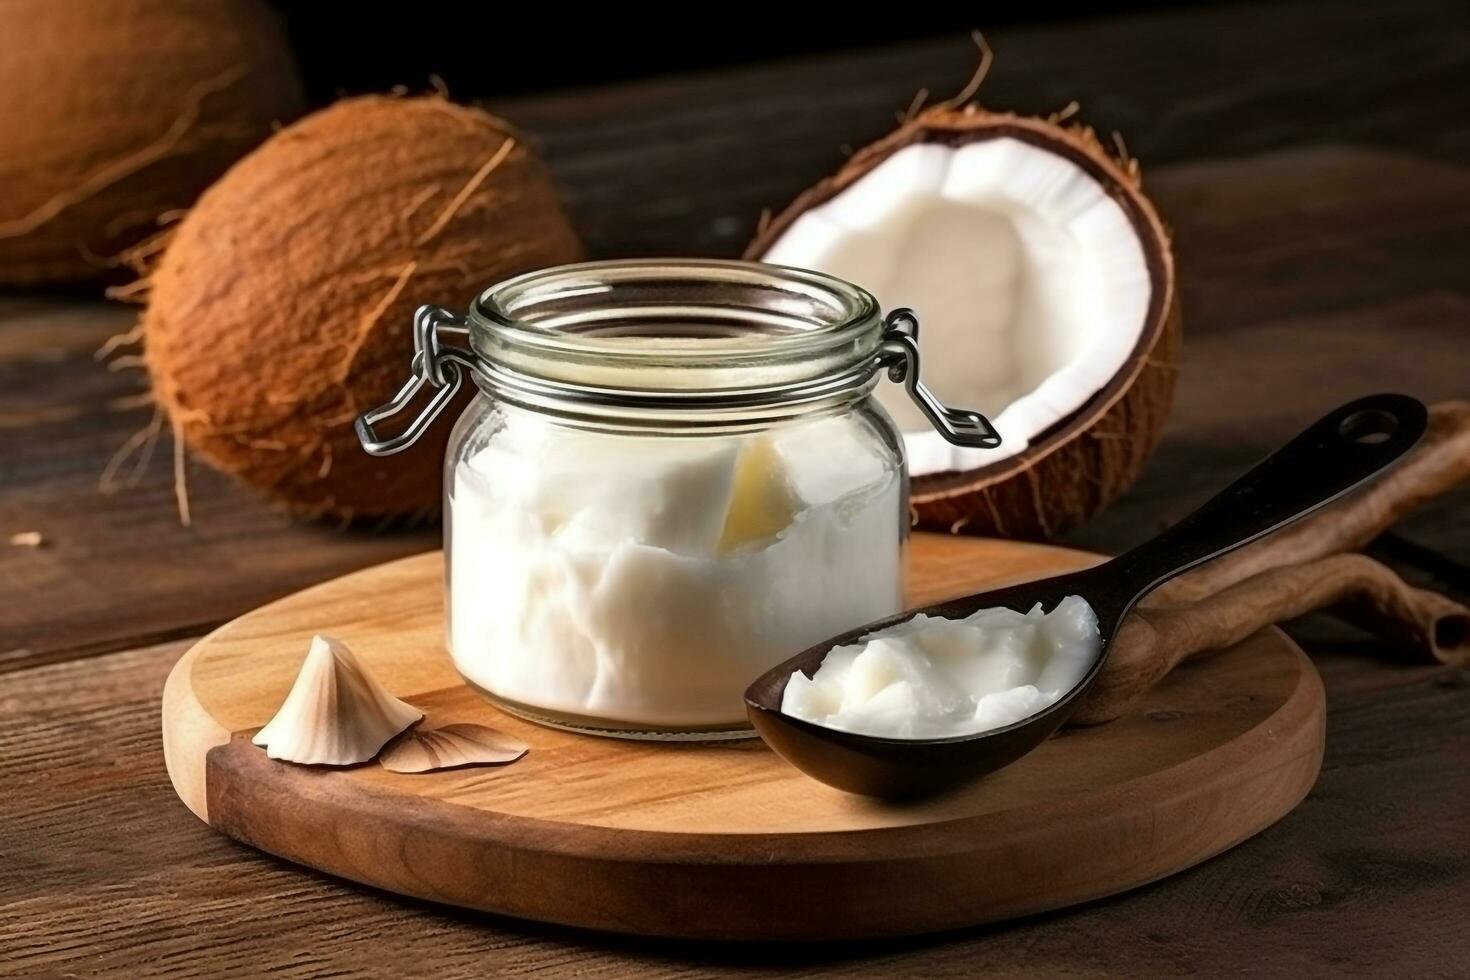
pixel 706 341
pixel 675 324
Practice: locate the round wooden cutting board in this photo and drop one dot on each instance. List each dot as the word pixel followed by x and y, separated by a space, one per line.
pixel 724 840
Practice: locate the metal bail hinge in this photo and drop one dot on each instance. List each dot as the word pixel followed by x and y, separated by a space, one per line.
pixel 435 364
pixel 900 354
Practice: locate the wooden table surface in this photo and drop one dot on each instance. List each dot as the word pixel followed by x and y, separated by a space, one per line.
pixel 1314 162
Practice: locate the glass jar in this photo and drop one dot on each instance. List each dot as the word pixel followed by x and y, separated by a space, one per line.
pixel 672 477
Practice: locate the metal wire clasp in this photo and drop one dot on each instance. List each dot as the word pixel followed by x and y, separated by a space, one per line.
pixel 434 363
pixel 899 353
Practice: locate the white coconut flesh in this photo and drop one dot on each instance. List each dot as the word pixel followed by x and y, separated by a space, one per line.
pixel 1029 281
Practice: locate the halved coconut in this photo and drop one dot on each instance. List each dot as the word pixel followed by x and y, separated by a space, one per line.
pixel 1044 285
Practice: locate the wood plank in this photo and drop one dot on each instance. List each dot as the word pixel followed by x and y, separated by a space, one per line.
pixel 107 874
pixel 689 161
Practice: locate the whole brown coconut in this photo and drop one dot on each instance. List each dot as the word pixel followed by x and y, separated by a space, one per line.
pixel 281 309
pixel 113 112
pixel 1078 465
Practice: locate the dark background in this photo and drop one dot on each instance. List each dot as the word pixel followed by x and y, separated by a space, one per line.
pixel 483 49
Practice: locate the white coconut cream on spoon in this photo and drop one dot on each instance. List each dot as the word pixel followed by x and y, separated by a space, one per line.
pixel 930 677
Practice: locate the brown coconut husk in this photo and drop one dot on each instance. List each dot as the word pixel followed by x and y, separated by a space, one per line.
pixel 282 306
pixel 114 112
pixel 1075 468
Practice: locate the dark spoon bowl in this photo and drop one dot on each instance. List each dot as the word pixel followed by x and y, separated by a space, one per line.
pixel 1337 453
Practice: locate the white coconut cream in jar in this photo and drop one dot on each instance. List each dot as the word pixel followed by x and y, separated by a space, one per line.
pixel 646 581
pixel 673 477
pixel 930 677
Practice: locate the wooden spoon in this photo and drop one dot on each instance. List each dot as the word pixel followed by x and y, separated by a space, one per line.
pixel 1333 456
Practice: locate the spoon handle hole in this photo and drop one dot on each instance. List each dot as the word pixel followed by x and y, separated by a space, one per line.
pixel 1369 427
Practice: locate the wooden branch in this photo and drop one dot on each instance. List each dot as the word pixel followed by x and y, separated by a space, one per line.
pixel 1154 640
